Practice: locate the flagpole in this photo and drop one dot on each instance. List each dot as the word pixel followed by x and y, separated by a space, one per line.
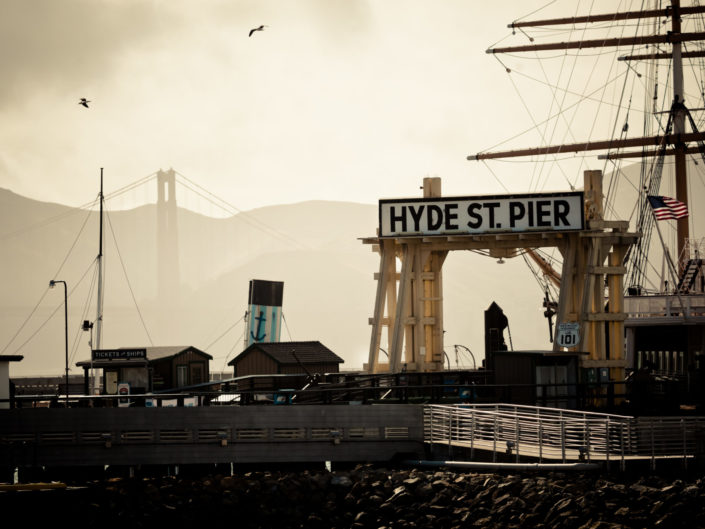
pixel 671 266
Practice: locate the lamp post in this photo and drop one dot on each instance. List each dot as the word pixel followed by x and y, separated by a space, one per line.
pixel 88 326
pixel 52 283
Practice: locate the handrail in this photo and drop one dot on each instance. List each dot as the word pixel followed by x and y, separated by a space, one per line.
pixel 565 435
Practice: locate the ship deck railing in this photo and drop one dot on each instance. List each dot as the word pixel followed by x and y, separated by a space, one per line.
pixel 664 306
pixel 559 435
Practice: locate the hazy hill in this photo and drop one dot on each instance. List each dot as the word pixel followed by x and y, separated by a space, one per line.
pixel 312 246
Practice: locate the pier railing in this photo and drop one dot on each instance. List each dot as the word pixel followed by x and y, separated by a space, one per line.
pixel 551 434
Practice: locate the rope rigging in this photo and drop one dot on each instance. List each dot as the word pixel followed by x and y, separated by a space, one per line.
pixel 637 254
pixel 634 80
pixel 238 213
pixel 127 279
pixel 56 274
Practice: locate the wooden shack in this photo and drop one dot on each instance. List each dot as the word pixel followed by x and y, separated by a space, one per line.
pixel 268 358
pixel 544 378
pixel 148 369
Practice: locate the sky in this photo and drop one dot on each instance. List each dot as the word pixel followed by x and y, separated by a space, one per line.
pixel 339 100
pixel 351 100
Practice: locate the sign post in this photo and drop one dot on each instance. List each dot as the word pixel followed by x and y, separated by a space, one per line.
pixel 568 334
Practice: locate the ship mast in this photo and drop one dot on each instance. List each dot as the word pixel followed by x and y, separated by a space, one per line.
pixel 679 138
pixel 99 260
pixel 679 128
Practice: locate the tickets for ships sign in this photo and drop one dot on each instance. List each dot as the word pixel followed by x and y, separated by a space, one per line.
pixel 447 216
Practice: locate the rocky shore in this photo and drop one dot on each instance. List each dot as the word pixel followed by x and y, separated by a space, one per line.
pixel 371 497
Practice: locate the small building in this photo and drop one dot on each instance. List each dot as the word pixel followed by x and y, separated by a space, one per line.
pixel 6 388
pixel 544 378
pixel 148 369
pixel 285 358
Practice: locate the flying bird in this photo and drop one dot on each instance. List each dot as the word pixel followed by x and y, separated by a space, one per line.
pixel 261 28
pixel 84 102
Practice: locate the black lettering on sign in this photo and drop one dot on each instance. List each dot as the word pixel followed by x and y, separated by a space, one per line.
pixel 516 212
pixel 476 219
pixel 434 217
pixel 561 209
pixel 416 215
pixel 394 218
pixel 492 206
pixel 450 216
pixel 543 213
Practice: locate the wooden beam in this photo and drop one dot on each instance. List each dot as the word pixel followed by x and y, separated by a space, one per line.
pixel 608 270
pixel 604 43
pixel 605 316
pixel 608 224
pixel 593 146
pixel 645 154
pixel 545 266
pixel 608 17
pixel 650 56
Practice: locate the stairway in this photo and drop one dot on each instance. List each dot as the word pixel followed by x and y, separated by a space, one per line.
pixel 689 274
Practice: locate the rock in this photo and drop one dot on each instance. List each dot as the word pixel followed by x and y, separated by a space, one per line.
pixel 341 481
pixel 622 512
pixel 372 498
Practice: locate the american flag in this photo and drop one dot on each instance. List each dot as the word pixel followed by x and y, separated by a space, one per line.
pixel 667 208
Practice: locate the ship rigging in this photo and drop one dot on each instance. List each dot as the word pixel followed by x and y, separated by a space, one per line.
pixel 665 323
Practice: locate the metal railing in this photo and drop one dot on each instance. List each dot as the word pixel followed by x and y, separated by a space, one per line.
pixel 551 434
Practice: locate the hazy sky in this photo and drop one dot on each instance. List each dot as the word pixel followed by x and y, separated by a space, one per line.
pixel 351 100
pixel 336 99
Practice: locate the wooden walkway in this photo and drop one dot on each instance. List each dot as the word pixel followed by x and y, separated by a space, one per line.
pixel 557 435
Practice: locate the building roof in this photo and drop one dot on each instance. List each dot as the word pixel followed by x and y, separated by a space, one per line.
pixel 11 358
pixel 541 353
pixel 284 353
pixel 168 351
pixel 153 353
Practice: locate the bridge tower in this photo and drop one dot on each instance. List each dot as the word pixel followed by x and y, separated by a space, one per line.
pixel 168 278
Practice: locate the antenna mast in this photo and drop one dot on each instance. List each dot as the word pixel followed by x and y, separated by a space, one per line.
pixel 99 308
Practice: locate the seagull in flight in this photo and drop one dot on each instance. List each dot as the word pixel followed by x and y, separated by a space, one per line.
pixel 84 102
pixel 261 28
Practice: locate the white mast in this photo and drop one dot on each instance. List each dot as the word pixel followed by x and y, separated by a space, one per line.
pixel 99 304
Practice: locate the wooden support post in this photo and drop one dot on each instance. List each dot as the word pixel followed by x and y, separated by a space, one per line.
pixel 566 297
pixel 418 349
pixel 402 311
pixel 386 285
pixel 616 307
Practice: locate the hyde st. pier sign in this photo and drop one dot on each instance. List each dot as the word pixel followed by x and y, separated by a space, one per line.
pixel 446 216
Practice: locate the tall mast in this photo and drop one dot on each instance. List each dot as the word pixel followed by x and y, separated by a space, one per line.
pixel 99 308
pixel 679 128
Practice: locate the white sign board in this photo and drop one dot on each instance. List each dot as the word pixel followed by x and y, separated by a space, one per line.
pixel 124 392
pixel 568 334
pixel 478 215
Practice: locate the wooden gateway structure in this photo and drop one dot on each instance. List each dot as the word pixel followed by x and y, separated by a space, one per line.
pixel 420 233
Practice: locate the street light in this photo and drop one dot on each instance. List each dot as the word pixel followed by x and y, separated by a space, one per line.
pixel 88 326
pixel 53 283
